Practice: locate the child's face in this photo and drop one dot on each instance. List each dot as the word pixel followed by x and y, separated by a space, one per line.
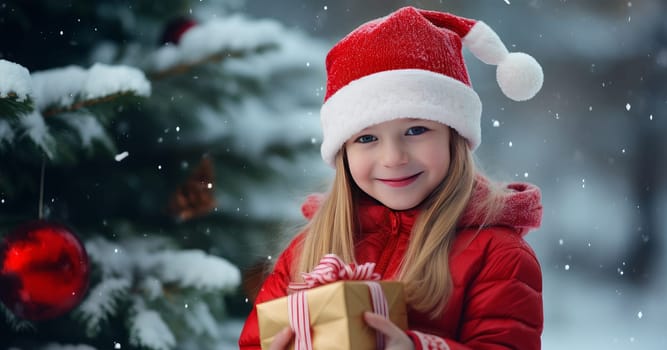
pixel 399 162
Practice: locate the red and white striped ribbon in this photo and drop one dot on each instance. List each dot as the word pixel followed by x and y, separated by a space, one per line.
pixel 299 320
pixel 380 307
pixel 331 269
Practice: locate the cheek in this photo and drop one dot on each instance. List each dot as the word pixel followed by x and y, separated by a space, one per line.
pixel 437 160
pixel 359 167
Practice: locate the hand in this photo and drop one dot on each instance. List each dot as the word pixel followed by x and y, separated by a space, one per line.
pixel 282 339
pixel 395 338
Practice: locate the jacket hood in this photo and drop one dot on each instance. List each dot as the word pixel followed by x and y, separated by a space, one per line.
pixel 520 206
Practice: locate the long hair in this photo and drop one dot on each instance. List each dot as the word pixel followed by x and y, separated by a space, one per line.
pixel 425 267
pixel 331 230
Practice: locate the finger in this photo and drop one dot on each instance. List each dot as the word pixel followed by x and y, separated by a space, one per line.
pixel 382 324
pixel 282 339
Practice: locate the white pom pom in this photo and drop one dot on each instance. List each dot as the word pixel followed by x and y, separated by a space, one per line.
pixel 519 76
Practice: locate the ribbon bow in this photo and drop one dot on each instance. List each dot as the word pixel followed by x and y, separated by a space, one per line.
pixel 330 269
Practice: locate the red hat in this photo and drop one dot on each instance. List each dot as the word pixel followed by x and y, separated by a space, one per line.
pixel 409 64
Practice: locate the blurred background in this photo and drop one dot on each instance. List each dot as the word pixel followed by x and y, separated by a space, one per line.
pixel 211 165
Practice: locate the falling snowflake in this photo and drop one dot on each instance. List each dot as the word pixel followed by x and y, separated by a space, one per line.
pixel 121 156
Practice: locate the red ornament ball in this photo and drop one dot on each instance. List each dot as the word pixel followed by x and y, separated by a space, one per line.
pixel 44 270
pixel 175 29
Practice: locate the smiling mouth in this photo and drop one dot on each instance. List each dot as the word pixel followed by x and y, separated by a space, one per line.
pixel 401 182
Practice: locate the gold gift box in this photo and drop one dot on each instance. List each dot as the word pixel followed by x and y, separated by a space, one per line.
pixel 336 315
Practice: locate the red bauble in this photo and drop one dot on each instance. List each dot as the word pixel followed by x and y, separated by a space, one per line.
pixel 44 271
pixel 175 29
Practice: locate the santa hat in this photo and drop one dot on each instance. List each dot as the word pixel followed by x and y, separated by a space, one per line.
pixel 409 64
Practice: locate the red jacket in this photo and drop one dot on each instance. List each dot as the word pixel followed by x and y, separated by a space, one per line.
pixel 497 296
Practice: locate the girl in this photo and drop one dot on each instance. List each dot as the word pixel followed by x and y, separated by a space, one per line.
pixel 400 122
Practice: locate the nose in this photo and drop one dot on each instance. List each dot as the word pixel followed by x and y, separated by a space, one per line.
pixel 394 154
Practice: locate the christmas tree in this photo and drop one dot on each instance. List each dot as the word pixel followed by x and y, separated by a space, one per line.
pixel 150 155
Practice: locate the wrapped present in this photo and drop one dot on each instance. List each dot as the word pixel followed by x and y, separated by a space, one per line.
pixel 326 311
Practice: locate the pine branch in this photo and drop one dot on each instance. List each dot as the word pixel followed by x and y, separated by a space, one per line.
pixel 196 269
pixel 217 57
pixel 10 106
pixel 200 320
pixel 148 329
pixel 15 323
pixel 172 71
pixel 102 303
pixel 87 103
pixel 56 346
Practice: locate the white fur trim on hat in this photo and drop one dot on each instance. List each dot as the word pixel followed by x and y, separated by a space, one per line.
pixel 395 94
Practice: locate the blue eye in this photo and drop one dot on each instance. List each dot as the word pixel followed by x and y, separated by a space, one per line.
pixel 416 130
pixel 366 139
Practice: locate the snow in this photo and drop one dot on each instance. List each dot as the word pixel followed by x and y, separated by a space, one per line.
pixel 260 127
pixel 135 270
pixel 63 86
pixel 104 80
pixel 58 86
pixel 56 346
pixel 149 330
pixel 166 57
pixel 111 257
pixel 200 320
pixel 88 128
pixel 233 33
pixel 101 303
pixel 6 133
pixel 37 130
pixel 15 79
pixel 193 268
pixel 67 347
pixel 270 118
pixel 152 257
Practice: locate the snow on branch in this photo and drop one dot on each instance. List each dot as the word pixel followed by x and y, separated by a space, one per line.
pixel 152 258
pixel 71 88
pixel 195 269
pixel 148 329
pixel 152 274
pixel 6 133
pixel 200 320
pixel 15 89
pixel 88 128
pixel 102 302
pixel 54 346
pixel 111 257
pixel 58 87
pixel 214 41
pixel 26 99
pixel 33 126
pixel 14 81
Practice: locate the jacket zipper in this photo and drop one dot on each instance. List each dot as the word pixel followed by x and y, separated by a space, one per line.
pixel 389 248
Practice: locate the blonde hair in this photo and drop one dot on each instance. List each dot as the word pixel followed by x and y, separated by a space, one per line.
pixel 425 266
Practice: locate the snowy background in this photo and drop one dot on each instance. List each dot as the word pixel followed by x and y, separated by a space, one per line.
pixel 592 140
